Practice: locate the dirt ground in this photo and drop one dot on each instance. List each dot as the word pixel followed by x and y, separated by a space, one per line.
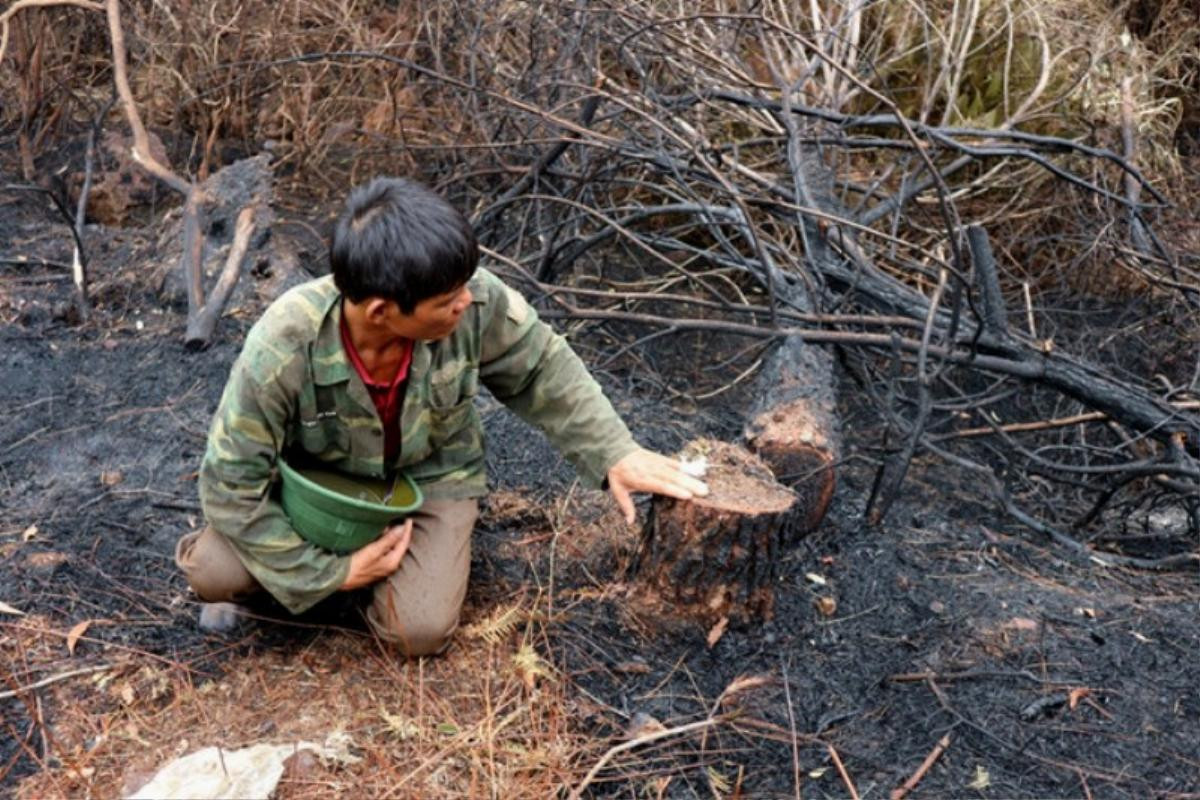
pixel 1047 678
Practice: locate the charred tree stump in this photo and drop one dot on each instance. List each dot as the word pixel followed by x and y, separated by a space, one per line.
pixel 717 556
pixel 793 428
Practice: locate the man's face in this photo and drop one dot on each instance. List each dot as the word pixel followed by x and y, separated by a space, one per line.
pixel 433 318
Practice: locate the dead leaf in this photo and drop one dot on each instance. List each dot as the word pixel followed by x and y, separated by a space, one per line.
pixel 718 598
pixel 400 726
pixel 632 667
pixel 111 477
pixel 717 631
pixel 29 533
pixel 530 666
pixel 641 725
pixel 826 605
pixel 743 683
pixel 134 732
pixel 300 765
pixel 981 780
pixel 719 783
pixel 1075 695
pixel 1021 624
pixel 127 695
pixel 5 608
pixel 75 633
pixel 47 559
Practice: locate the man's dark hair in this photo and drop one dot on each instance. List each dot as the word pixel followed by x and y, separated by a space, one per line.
pixel 398 240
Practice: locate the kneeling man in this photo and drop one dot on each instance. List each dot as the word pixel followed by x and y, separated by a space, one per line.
pixel 373 370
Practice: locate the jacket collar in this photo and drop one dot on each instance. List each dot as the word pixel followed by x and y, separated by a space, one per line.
pixel 330 363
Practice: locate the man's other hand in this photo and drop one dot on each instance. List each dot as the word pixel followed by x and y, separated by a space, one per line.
pixel 380 558
pixel 646 471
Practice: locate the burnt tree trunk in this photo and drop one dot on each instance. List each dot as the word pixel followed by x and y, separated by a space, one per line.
pixel 717 556
pixel 793 428
pixel 793 424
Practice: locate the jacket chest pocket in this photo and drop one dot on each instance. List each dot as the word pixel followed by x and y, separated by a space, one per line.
pixel 451 407
pixel 453 391
pixel 327 438
pixel 320 429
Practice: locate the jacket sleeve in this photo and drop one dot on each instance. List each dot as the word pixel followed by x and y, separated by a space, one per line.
pixel 533 371
pixel 236 478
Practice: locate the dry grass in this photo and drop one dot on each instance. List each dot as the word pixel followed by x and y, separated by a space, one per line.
pixel 499 715
pixel 492 718
pixel 464 101
pixel 227 71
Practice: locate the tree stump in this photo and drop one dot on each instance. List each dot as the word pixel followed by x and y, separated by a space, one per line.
pixel 793 428
pixel 248 182
pixel 716 556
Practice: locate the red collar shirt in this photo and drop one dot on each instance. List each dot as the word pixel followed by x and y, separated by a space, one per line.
pixel 388 397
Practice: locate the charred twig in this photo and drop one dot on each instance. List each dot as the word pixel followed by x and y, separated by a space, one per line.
pixel 987 734
pixel 75 224
pixel 945 135
pixel 1133 188
pixel 841 769
pixel 893 469
pixel 21 4
pixel 915 778
pixel 1003 495
pixel 1019 427
pixel 919 677
pixel 1120 401
pixel 787 692
pixel 24 261
pixel 201 326
pixel 61 676
pixel 79 261
pixel 995 318
pixel 645 739
pixel 586 115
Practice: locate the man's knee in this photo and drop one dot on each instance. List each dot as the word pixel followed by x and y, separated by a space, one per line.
pixel 426 639
pixel 212 569
pixel 425 633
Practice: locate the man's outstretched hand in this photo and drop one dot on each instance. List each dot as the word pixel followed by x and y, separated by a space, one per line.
pixel 380 558
pixel 646 471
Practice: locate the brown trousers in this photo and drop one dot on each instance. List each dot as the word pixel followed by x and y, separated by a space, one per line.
pixel 416 607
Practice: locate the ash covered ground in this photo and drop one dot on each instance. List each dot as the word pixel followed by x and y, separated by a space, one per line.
pixel 1051 679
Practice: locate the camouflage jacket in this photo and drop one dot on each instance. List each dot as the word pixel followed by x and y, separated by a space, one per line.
pixel 293 388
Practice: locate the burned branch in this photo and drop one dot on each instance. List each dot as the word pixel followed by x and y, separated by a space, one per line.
pixel 201 315
pixel 755 176
pixel 671 194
